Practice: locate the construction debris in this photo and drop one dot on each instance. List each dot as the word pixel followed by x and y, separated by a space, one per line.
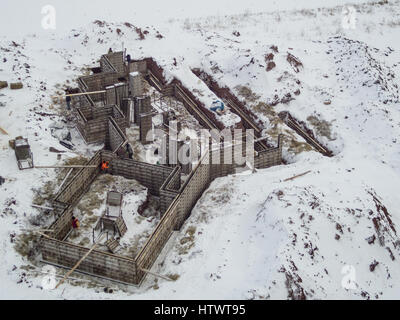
pixel 52 149
pixel 296 176
pixel 3 131
pixel 23 153
pixel 66 144
pixel 16 85
pixel 3 84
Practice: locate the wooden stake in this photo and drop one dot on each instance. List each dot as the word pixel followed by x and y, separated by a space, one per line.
pixel 299 175
pixel 3 131
pixel 79 262
pixel 43 234
pixel 155 274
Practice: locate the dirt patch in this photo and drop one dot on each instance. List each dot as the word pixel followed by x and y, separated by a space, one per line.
pixel 27 245
pixel 246 93
pixel 173 276
pixel 322 127
pixel 304 132
pixel 187 241
pixel 294 62
pixel 225 93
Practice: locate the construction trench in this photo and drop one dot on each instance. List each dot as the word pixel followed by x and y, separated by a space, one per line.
pixel 105 105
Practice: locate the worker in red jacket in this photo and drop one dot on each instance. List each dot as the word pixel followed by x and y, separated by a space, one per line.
pixel 75 223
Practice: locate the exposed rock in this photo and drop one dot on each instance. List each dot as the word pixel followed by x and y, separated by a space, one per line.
pixel 373 265
pixel 371 239
pixel 271 65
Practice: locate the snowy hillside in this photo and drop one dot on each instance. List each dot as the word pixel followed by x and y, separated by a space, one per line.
pixel 251 235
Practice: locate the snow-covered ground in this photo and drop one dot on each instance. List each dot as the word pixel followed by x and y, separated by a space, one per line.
pixel 250 236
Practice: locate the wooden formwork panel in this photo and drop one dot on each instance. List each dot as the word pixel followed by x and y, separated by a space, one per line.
pixel 115 138
pixel 148 254
pixel 80 181
pixel 97 263
pixel 62 225
pixel 126 106
pixel 150 175
pixel 146 125
pixel 166 198
pixel 116 60
pixel 173 217
pixel 106 65
pixel 80 101
pixel 136 84
pixel 138 66
pixel 121 92
pixel 92 113
pixel 269 157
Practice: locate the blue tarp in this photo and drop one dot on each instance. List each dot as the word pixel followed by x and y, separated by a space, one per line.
pixel 217 104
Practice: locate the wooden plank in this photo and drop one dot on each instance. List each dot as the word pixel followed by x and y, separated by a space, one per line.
pixel 296 176
pixel 71 166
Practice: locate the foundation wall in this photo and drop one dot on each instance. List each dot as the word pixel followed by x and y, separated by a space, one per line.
pixel 116 59
pixel 170 189
pixel 115 135
pixel 150 175
pixel 145 125
pixel 80 182
pixel 269 157
pixel 96 129
pixel 173 218
pixel 97 263
pixel 138 66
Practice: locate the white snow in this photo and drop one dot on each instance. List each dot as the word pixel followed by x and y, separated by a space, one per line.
pixel 250 236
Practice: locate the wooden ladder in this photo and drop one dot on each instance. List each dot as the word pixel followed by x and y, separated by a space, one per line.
pixel 122 228
pixel 112 244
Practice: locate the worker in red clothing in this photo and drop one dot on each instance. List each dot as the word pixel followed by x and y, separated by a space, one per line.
pixel 75 223
pixel 105 165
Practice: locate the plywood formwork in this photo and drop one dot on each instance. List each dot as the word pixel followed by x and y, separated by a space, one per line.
pixel 150 175
pixel 115 136
pixel 98 263
pixel 269 157
pixel 170 189
pixel 145 125
pixel 114 60
pixel 92 122
pixel 136 84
